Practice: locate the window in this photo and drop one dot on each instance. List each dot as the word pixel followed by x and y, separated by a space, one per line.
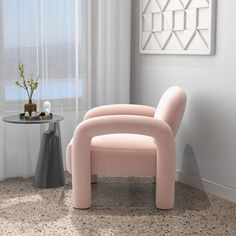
pixel 44 35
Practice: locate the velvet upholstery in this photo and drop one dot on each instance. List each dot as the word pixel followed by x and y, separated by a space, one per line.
pixel 127 140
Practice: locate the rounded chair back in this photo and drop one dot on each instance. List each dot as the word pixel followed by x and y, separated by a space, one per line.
pixel 171 107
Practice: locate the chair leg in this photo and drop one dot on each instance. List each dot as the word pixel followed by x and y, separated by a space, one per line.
pixel 165 195
pixel 165 189
pixel 81 176
pixel 165 174
pixel 81 192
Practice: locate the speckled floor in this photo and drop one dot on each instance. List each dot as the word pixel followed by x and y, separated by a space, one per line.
pixel 121 206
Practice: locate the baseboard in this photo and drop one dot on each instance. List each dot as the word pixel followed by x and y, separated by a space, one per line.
pixel 206 185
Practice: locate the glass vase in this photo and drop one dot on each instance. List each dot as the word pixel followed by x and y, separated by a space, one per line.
pixel 30 107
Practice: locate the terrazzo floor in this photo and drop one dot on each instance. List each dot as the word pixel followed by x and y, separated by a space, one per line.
pixel 120 206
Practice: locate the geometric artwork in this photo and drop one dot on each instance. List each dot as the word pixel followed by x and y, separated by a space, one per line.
pixel 177 26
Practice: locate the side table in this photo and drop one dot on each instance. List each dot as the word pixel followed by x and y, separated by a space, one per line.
pixel 49 171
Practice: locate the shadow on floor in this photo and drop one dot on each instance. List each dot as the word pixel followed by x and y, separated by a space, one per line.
pixel 138 198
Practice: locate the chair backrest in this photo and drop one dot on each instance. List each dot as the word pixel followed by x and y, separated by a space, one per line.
pixel 171 107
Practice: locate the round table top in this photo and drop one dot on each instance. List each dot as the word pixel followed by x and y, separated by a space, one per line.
pixel 15 119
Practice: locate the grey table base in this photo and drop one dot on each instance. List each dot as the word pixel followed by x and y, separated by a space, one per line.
pixel 49 171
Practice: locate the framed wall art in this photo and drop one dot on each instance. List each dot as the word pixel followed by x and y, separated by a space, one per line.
pixel 177 26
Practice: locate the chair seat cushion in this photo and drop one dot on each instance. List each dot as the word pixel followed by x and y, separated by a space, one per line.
pixel 123 154
pixel 124 142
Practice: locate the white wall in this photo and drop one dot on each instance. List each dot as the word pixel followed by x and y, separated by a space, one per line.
pixel 206 142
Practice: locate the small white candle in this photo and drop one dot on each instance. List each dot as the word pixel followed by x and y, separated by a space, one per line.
pixel 47 107
pixel 33 114
pixel 47 112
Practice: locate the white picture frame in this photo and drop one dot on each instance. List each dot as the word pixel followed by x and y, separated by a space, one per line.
pixel 177 27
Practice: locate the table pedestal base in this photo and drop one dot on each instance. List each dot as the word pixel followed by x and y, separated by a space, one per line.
pixel 49 171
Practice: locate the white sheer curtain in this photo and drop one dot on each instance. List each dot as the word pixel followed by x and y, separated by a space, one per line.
pixel 111 44
pixel 80 48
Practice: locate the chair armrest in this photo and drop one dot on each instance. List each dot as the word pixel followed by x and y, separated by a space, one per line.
pixel 134 124
pixel 120 109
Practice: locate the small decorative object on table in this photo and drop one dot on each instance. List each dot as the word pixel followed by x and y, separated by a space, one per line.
pixel 47 108
pixel 46 115
pixel 26 114
pixel 30 85
pixel 36 116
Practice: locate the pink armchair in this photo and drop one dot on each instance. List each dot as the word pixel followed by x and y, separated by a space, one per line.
pixel 127 140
